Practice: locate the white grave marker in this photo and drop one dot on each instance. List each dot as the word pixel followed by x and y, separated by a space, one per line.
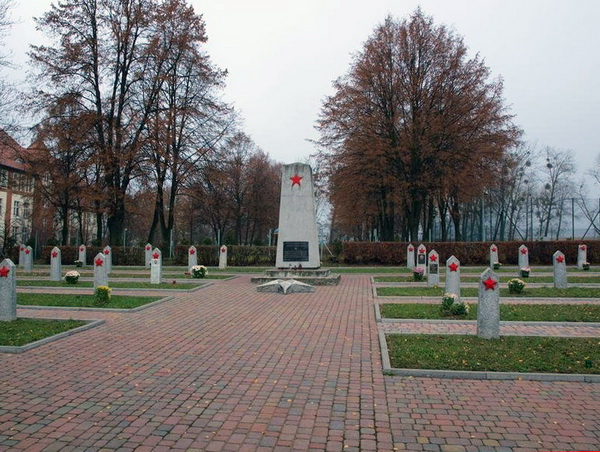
pixel 82 254
pixel 523 257
pixel 493 255
pixel 21 255
pixel 581 256
pixel 192 257
pixel 55 264
pixel 559 264
pixel 488 309
pixel 8 291
pixel 453 276
pixel 147 255
pixel 108 259
pixel 100 274
pixel 410 256
pixel 422 257
pixel 433 272
pixel 223 257
pixel 28 267
pixel 156 267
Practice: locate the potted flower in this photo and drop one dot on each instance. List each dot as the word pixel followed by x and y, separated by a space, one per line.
pixel 453 306
pixel 418 273
pixel 198 271
pixel 525 272
pixel 516 285
pixel 72 277
pixel 496 265
pixel 585 266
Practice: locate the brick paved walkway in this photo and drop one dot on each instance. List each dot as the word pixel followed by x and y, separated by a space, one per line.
pixel 227 368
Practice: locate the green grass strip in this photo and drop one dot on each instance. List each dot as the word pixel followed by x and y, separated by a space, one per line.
pixel 82 301
pixel 24 331
pixel 508 312
pixel 592 279
pixel 507 354
pixel 112 284
pixel 532 292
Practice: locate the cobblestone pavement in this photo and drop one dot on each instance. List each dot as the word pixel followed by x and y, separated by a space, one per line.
pixel 228 368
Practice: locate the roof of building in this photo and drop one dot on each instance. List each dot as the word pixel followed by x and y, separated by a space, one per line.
pixel 11 152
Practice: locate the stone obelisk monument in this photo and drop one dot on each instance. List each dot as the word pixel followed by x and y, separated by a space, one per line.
pixel 298 242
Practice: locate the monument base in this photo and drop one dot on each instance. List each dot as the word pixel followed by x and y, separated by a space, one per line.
pixel 315 277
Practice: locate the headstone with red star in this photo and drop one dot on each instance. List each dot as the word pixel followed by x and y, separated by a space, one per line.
pixel 28 267
pixel 21 255
pixel 147 255
pixel 581 255
pixel 100 273
pixel 433 270
pixel 298 241
pixel 493 255
pixel 108 259
pixel 453 276
pixel 82 254
pixel 156 267
pixel 8 291
pixel 410 256
pixel 422 257
pixel 488 306
pixel 223 257
pixel 192 257
pixel 523 257
pixel 559 264
pixel 55 264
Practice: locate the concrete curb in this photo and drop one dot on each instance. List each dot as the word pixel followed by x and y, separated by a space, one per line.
pixel 69 308
pixel 46 340
pixel 473 375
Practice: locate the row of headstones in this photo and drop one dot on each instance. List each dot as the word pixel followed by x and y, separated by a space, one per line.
pixel 192 256
pixel 453 272
pixel 421 256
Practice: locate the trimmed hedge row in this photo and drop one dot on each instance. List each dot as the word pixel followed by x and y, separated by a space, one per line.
pixel 468 253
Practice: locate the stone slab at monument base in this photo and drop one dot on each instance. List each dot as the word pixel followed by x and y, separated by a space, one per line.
pixel 315 277
pixel 286 286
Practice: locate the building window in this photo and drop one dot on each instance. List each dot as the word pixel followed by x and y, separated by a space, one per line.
pixel 26 210
pixel 16 209
pixel 15 231
pixel 1 205
pixel 3 178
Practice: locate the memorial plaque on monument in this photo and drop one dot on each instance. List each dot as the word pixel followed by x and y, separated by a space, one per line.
pixel 295 251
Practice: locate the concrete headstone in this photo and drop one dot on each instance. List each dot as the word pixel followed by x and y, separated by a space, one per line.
pixel 298 242
pixel 488 309
pixel 100 274
pixel 82 254
pixel 410 256
pixel 8 291
pixel 422 257
pixel 192 257
pixel 523 257
pixel 55 264
pixel 108 259
pixel 493 255
pixel 433 272
pixel 559 264
pixel 581 256
pixel 21 255
pixel 156 267
pixel 147 255
pixel 28 266
pixel 453 276
pixel 223 257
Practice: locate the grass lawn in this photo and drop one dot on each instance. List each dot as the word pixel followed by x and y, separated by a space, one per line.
pixel 507 354
pixel 112 284
pixel 540 292
pixel 81 301
pixel 508 312
pixel 24 331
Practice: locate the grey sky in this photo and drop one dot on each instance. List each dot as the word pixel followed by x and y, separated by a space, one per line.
pixel 283 55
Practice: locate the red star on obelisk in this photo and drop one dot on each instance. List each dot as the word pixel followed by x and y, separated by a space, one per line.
pixel 156 255
pixel 583 247
pixel 54 254
pixel 489 284
pixel 27 251
pixel 4 271
pixel 433 258
pixel 107 252
pixel 560 259
pixel 523 250
pixel 411 249
pixel 494 249
pixel 99 262
pixel 192 252
pixel 453 266
pixel 296 180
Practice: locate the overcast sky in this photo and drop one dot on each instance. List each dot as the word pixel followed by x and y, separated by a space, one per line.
pixel 283 55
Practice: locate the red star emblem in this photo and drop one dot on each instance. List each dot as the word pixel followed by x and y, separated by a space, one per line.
pixel 27 251
pixel 4 271
pixel 156 255
pixel 191 252
pixel 422 250
pixel 22 249
pixel 523 250
pixel 54 254
pixel 560 259
pixel 107 252
pixel 148 248
pixel 494 249
pixel 223 249
pixel 99 262
pixel 296 180
pixel 453 266
pixel 583 247
pixel 82 249
pixel 490 284
pixel 433 258
pixel 411 249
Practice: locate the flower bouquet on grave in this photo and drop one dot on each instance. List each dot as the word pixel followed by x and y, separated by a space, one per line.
pixel 102 295
pixel 198 271
pixel 516 285
pixel 585 266
pixel 452 306
pixel 72 277
pixel 496 265
pixel 418 273
pixel 525 272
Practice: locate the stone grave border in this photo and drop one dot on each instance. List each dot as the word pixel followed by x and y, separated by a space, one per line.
pixel 24 348
pixel 119 310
